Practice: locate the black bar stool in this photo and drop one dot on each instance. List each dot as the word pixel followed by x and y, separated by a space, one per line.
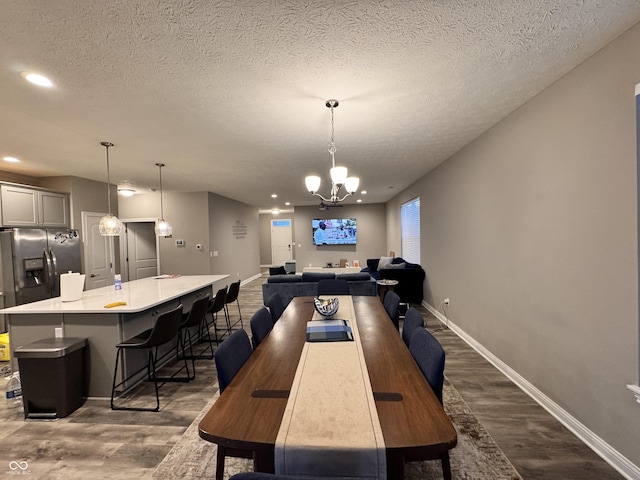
pixel 232 296
pixel 164 330
pixel 196 317
pixel 216 304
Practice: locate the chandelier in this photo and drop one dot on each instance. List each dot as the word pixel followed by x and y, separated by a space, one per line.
pixel 162 228
pixel 338 174
pixel 110 225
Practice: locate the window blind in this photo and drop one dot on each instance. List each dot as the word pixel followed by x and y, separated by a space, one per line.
pixel 410 230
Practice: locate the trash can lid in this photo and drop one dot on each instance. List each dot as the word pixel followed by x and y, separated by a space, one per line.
pixel 51 347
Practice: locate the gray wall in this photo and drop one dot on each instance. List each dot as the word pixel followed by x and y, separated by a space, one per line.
pixel 206 219
pixel 531 231
pixel 238 255
pixel 372 242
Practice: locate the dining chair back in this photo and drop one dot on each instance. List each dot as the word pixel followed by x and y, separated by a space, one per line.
pixel 429 355
pixel 276 306
pixel 392 306
pixel 261 324
pixel 412 321
pixel 164 330
pixel 230 356
pixel 333 286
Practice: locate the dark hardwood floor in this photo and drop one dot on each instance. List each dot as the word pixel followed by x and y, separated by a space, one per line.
pixel 95 442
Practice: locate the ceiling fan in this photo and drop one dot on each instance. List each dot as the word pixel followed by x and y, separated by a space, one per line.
pixel 327 206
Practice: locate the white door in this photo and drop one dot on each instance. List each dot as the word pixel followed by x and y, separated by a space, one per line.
pixel 281 244
pixel 141 255
pixel 98 253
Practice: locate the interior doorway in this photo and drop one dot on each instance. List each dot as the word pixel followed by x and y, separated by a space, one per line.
pixel 281 241
pixel 140 251
pixel 98 252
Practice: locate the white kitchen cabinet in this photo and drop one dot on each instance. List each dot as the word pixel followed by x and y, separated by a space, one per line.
pixel 31 207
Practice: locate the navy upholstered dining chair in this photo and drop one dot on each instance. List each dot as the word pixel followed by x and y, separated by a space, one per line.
pixel 412 321
pixel 392 306
pixel 333 286
pixel 261 324
pixel 276 306
pixel 429 355
pixel 230 356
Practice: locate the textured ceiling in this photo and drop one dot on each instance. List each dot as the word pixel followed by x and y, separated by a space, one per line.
pixel 230 94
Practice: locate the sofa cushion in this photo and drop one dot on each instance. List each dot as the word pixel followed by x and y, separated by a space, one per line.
pixel 284 278
pixel 317 276
pixel 384 262
pixel 351 277
pixel 372 264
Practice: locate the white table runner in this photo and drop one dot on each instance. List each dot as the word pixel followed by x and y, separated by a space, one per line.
pixel 330 427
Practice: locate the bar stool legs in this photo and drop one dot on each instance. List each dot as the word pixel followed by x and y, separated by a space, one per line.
pixel 164 331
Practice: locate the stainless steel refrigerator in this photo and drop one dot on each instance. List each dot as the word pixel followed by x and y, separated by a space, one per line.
pixel 32 261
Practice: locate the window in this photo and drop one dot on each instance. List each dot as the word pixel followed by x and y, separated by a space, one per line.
pixel 410 230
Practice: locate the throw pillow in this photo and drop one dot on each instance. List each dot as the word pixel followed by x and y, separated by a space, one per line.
pixel 396 266
pixel 384 262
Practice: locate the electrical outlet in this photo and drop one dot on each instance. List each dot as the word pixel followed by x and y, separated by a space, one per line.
pixel 446 301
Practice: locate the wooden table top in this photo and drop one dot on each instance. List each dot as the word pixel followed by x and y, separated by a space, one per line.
pixel 249 412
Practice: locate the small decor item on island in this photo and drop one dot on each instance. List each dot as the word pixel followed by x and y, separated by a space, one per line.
pixel 326 307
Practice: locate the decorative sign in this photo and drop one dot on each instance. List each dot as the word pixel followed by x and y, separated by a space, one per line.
pixel 239 229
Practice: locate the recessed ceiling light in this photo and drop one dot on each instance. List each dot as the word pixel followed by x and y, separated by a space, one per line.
pixel 274 195
pixel 11 159
pixel 37 79
pixel 287 203
pixel 363 192
pixel 359 200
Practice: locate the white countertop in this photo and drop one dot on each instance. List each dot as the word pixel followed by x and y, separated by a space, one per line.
pixel 139 295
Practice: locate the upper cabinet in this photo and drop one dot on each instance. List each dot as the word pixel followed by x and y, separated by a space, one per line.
pixel 31 207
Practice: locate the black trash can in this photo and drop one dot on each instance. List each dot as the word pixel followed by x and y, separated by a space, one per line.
pixel 52 373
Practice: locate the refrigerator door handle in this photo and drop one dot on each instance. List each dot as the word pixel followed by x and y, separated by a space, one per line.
pixel 54 274
pixel 47 259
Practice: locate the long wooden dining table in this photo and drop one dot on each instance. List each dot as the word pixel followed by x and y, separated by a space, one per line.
pixel 248 414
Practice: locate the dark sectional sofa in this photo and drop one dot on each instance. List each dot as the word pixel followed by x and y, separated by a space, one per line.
pixel 410 277
pixel 289 286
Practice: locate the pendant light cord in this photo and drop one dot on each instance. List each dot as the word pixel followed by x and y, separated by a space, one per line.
pixel 160 165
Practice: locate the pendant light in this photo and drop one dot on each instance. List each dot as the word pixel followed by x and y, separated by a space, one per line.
pixel 163 229
pixel 110 225
pixel 338 174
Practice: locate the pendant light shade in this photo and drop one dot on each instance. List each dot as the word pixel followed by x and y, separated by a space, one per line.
pixel 163 229
pixel 110 225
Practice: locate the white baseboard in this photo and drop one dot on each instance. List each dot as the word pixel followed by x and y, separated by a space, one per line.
pixel 614 458
pixel 251 279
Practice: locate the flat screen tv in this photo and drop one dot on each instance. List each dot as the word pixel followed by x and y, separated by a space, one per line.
pixel 334 231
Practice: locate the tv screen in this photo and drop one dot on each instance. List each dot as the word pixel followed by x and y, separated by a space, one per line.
pixel 334 231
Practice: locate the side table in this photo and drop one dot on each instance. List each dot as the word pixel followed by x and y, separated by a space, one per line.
pixel 385 286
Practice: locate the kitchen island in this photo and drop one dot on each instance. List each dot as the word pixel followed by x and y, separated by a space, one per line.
pixel 105 327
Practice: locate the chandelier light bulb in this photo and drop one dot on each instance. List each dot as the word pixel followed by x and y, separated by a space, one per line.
pixel 313 183
pixel 351 184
